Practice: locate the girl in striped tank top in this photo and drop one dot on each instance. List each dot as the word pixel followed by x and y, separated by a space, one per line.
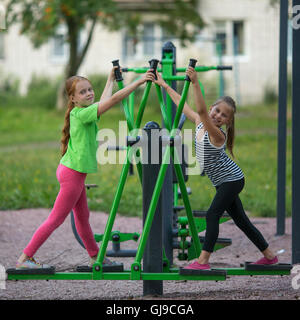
pixel 225 174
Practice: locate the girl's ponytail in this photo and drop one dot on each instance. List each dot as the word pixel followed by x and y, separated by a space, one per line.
pixel 70 90
pixel 230 136
pixel 66 129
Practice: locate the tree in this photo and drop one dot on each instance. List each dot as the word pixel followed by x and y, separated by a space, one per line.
pixel 39 20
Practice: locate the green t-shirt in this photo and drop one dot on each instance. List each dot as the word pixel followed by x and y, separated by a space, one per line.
pixel 82 146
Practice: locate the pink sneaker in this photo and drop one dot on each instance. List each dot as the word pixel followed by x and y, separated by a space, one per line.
pixel 266 261
pixel 197 266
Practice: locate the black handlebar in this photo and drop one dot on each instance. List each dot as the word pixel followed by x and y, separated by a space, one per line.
pixel 118 74
pixel 224 67
pixel 153 65
pixel 192 64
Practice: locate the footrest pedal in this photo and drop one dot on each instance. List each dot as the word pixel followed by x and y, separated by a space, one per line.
pixel 264 267
pixel 50 270
pixel 117 267
pixel 211 272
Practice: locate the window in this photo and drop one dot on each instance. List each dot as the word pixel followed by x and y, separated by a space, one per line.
pixel 144 44
pixel 221 37
pixel 129 46
pixel 230 38
pixel 2 17
pixel 58 45
pixel 148 39
pixel 1 45
pixel 238 38
pixel 166 36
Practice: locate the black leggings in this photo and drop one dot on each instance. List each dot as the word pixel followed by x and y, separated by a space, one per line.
pixel 227 199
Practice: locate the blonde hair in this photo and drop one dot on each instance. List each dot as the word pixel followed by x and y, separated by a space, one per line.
pixel 70 90
pixel 230 131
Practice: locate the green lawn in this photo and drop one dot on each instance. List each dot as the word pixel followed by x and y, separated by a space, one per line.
pixel 29 152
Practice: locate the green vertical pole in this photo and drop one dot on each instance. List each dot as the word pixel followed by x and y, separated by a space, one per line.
pixel 120 188
pixel 114 208
pixel 159 183
pixel 168 68
pixel 129 115
pixel 168 72
pixel 152 206
pixel 131 104
pixel 166 118
pixel 187 205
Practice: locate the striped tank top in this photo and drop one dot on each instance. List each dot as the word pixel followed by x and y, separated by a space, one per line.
pixel 214 162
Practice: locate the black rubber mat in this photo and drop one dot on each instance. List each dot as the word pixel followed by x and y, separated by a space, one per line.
pixel 264 267
pixel 50 270
pixel 116 267
pixel 211 272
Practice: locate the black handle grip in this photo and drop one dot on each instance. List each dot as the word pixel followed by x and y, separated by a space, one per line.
pixel 153 65
pixel 192 64
pixel 224 67
pixel 118 73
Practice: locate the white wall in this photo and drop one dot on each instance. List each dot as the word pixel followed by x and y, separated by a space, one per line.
pixel 255 69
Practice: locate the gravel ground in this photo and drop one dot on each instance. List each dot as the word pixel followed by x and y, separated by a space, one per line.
pixel 63 251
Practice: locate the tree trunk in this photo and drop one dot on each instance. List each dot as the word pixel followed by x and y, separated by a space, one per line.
pixel 75 58
pixel 61 101
pixel 72 66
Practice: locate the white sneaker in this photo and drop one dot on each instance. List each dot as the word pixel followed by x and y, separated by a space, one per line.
pixel 31 264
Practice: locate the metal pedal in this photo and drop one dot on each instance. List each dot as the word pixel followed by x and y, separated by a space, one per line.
pixel 202 214
pixel 221 241
pixel 264 267
pixel 211 272
pixel 117 267
pixel 50 270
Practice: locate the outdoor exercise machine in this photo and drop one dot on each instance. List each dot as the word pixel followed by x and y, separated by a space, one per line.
pixel 156 265
pixel 174 227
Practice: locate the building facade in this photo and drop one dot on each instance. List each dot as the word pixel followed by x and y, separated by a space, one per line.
pixel 247 32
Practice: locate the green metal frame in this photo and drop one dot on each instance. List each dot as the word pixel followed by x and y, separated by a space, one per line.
pixel 172 274
pixel 136 273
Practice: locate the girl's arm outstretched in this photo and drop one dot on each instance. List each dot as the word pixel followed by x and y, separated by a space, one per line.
pixel 187 110
pixel 214 132
pixel 117 97
pixel 107 92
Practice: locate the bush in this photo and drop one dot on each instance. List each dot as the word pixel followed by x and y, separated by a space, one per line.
pixel 42 92
pixel 270 95
pixel 9 90
pixel 98 82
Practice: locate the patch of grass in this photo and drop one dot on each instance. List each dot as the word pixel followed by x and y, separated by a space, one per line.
pixel 29 151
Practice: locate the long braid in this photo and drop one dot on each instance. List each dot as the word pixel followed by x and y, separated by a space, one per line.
pixel 70 90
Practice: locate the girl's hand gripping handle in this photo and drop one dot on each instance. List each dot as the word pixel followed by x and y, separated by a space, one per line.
pixel 118 74
pixel 153 66
pixel 193 65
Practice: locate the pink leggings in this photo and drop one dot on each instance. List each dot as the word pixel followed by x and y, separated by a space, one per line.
pixel 72 195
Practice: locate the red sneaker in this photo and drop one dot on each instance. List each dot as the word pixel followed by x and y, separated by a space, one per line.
pixel 266 261
pixel 197 266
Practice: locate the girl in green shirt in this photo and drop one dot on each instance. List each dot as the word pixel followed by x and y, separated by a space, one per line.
pixel 78 146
